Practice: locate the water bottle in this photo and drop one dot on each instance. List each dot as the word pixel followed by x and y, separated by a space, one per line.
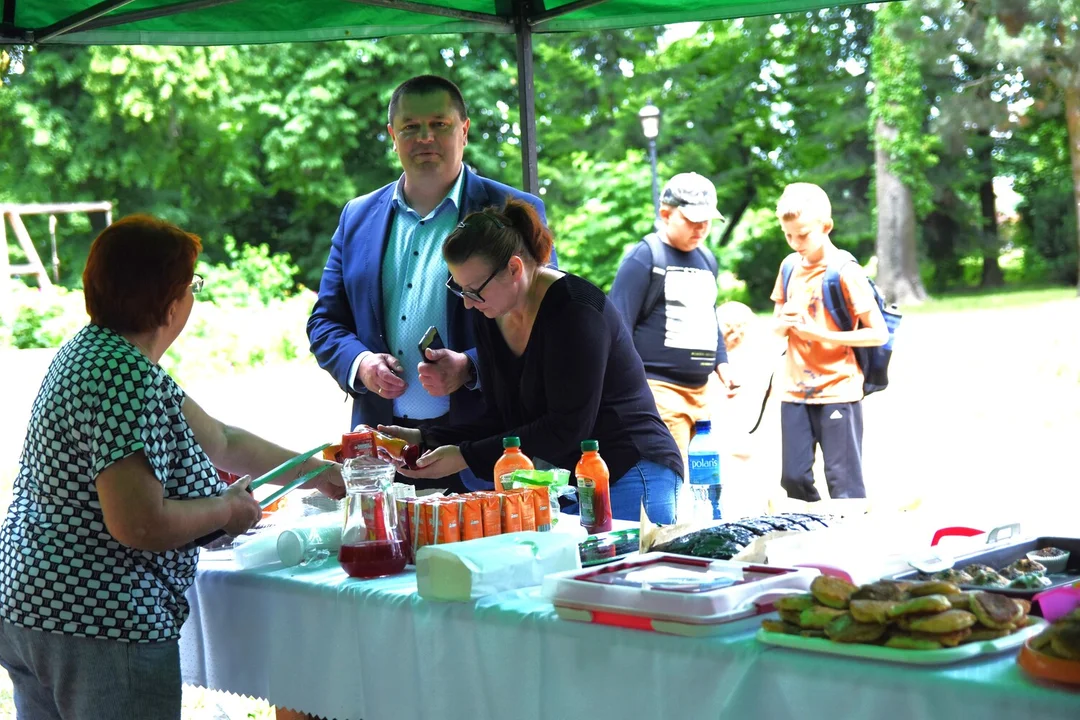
pixel 704 473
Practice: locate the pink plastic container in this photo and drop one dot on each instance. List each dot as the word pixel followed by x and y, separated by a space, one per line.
pixel 1059 602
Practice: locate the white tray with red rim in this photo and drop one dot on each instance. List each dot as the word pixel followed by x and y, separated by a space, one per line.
pixel 672 594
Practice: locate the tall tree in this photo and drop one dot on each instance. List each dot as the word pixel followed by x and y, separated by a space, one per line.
pixel 1043 37
pixel 904 151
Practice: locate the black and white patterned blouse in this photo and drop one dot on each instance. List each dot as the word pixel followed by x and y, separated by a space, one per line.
pixel 60 569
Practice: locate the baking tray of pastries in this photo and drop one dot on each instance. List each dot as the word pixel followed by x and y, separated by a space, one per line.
pixel 1001 566
pixel 928 623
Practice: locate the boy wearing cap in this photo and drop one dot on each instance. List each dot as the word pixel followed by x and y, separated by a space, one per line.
pixel 665 289
pixel 821 389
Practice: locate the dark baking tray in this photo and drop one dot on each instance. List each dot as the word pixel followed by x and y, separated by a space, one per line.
pixel 1000 555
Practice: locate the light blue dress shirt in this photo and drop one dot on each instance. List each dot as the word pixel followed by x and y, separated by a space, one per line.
pixel 414 290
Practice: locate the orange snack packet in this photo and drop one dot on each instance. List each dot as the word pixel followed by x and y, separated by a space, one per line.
pixel 426 533
pixel 528 510
pixel 541 499
pixel 511 512
pixel 404 514
pixel 491 513
pixel 446 520
pixel 472 517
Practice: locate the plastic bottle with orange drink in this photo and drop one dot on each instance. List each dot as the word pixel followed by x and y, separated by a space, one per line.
pixel 594 489
pixel 512 459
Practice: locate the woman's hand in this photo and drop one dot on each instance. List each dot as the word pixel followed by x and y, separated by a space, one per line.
pixel 328 482
pixel 244 511
pixel 437 463
pixel 413 436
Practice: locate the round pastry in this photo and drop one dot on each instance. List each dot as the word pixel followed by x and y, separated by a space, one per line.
pixel 779 626
pixel 817 617
pixel 871 611
pixel 883 590
pixel 960 601
pixel 934 587
pixel 944 622
pixel 846 629
pixel 832 591
pixel 947 639
pixel 1066 641
pixel 989 579
pixel 954 576
pixel 976 569
pixel 981 634
pixel 1030 581
pixel 798 603
pixel 1027 566
pixel 921 606
pixel 995 611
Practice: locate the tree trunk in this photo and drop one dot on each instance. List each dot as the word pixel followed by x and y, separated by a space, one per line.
pixel 898 267
pixel 991 244
pixel 1072 120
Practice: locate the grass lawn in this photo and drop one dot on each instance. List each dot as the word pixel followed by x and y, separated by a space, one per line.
pixel 978 424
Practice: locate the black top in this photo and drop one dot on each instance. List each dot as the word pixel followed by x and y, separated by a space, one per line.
pixel 578 379
pixel 679 340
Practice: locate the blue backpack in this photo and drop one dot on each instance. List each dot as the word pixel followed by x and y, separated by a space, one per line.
pixel 873 361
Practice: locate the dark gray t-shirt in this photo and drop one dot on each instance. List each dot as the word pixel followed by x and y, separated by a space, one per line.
pixel 60 569
pixel 679 340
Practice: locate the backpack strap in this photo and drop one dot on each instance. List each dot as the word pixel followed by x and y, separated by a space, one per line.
pixel 832 292
pixel 786 269
pixel 656 276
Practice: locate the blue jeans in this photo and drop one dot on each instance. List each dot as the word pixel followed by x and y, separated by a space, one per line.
pixel 654 485
pixel 63 677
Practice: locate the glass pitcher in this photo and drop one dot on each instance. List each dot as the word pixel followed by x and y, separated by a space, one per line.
pixel 371 541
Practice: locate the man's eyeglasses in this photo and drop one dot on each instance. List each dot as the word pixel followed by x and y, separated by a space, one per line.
pixel 197 283
pixel 473 295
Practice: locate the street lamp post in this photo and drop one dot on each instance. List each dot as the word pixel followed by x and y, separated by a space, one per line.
pixel 650 127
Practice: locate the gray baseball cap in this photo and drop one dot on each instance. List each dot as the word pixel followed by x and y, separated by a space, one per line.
pixel 694 195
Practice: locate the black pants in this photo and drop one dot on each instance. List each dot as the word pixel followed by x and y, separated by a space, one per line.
pixel 453 483
pixel 838 429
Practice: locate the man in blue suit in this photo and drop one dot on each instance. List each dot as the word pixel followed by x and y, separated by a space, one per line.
pixel 384 283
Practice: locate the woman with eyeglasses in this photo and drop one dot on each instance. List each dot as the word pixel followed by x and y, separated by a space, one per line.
pixel 117 480
pixel 557 366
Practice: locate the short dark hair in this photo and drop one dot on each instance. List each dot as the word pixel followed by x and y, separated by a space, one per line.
pixel 426 85
pixel 497 234
pixel 136 268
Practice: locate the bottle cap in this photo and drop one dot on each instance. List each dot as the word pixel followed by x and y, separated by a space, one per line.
pixel 589 446
pixel 703 426
pixel 509 442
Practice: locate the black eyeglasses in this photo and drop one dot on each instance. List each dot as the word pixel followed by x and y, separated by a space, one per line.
pixel 473 295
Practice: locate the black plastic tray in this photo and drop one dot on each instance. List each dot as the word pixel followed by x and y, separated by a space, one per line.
pixel 1000 555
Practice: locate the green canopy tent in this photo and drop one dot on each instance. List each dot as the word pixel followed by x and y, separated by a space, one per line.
pixel 237 22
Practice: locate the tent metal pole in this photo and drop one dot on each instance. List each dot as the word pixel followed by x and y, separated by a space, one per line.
pixel 530 176
pixel 541 18
pixel 153 13
pixel 77 20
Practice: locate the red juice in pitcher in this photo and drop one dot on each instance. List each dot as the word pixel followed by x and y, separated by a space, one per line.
pixel 372 559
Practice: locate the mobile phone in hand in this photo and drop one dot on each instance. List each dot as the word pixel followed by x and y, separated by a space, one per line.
pixel 431 340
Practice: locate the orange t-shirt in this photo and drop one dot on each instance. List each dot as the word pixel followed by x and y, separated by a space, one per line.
pixel 818 373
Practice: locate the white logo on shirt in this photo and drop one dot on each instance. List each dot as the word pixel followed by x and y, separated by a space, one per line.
pixel 690 295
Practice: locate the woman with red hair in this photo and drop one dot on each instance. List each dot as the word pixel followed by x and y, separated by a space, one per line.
pixel 117 480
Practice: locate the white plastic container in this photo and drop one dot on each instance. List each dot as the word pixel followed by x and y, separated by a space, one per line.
pixel 259 550
pixel 673 593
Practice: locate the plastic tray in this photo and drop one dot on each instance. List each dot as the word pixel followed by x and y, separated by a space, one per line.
pixel 1005 553
pixel 944 656
pixel 672 593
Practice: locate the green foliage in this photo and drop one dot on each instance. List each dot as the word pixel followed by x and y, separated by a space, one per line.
pixel 252 274
pixel 760 248
pixel 591 239
pixel 898 103
pixel 41 318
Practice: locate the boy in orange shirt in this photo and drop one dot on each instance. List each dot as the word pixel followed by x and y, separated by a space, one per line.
pixel 821 388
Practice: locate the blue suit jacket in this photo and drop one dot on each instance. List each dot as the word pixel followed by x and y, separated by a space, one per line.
pixel 348 317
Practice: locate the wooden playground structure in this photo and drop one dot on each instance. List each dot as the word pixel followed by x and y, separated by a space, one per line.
pixel 12 214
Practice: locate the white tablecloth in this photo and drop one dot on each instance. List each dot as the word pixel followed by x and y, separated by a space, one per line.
pixel 318 641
